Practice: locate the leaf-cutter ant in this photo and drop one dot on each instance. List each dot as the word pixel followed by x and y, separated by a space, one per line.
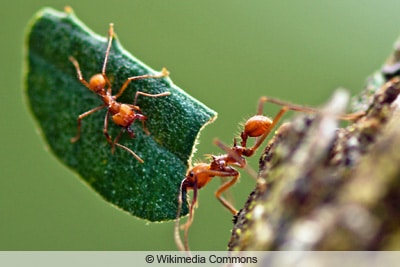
pixel 259 127
pixel 122 114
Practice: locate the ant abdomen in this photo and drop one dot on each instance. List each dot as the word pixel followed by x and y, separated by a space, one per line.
pixel 257 126
pixel 124 117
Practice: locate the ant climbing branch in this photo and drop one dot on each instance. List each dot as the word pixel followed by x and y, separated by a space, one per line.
pixel 259 127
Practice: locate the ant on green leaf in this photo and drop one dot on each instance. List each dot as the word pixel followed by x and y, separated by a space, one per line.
pixel 123 115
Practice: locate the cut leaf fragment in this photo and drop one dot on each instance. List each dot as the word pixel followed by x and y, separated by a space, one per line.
pixel 57 98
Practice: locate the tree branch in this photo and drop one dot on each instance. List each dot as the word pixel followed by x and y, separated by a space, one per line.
pixel 322 187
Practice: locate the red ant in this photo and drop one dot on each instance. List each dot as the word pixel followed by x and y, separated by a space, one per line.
pixel 258 126
pixel 122 114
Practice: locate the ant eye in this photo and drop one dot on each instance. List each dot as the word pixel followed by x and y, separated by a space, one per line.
pixel 191 174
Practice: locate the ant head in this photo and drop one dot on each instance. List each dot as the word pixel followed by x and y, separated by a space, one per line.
pixel 198 176
pixel 97 83
pixel 257 125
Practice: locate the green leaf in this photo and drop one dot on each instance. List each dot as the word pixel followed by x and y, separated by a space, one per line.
pixel 57 98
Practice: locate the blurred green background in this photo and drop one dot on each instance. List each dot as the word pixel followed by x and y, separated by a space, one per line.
pixel 225 53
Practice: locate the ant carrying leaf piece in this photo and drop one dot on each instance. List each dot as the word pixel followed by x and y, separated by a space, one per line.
pixel 123 114
pixel 56 42
pixel 259 127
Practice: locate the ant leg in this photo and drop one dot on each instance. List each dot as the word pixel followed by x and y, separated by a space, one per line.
pixel 105 128
pixel 115 142
pixel 87 113
pixel 78 71
pixel 288 105
pixel 227 172
pixel 110 38
pixel 261 103
pixel 177 235
pixel 241 161
pixel 347 117
pixel 184 246
pixel 164 73
pixel 228 193
pixel 149 95
pixel 130 151
pixel 191 216
pixel 192 205
pixel 223 188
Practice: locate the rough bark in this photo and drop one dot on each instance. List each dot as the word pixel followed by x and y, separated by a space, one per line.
pixel 326 187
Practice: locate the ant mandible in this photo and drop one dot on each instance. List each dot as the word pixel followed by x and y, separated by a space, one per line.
pixel 122 114
pixel 259 127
